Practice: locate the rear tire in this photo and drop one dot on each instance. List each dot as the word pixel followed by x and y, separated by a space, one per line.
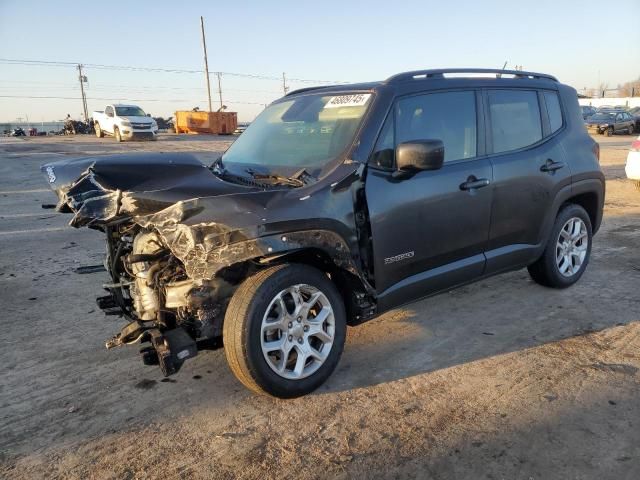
pixel 637 184
pixel 278 342
pixel 568 249
pixel 116 134
pixel 609 131
pixel 99 132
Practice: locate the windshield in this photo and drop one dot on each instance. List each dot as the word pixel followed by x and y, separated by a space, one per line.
pixel 602 116
pixel 307 131
pixel 130 112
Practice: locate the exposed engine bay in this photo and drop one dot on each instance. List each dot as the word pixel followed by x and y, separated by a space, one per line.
pixel 166 308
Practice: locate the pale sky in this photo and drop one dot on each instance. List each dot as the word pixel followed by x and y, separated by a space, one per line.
pixel 580 42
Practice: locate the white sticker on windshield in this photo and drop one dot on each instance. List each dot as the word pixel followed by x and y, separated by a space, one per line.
pixel 356 100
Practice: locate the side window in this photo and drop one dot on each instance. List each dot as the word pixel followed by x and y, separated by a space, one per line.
pixel 384 151
pixel 108 111
pixel 448 116
pixel 553 109
pixel 515 119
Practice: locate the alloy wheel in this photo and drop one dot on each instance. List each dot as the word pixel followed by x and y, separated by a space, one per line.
pixel 297 331
pixel 571 247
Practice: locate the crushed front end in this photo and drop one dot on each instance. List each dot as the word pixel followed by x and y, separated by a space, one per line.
pixel 175 314
pixel 180 241
pixel 149 287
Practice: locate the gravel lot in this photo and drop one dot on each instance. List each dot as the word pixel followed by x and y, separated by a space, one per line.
pixel 499 379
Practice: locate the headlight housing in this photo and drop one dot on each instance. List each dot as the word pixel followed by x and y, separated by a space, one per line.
pixel 125 123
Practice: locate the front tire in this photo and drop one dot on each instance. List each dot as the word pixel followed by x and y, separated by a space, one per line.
pixel 116 134
pixel 284 330
pixel 568 249
pixel 630 129
pixel 609 131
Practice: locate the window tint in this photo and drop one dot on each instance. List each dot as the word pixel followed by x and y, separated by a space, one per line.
pixel 515 119
pixel 384 151
pixel 553 109
pixel 450 117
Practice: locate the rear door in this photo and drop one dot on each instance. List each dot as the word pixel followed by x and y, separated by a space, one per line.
pixel 429 231
pixel 524 134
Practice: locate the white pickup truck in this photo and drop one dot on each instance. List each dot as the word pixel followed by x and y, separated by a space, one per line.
pixel 124 122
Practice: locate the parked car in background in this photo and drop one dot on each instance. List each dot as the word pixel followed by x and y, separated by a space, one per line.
pixel 587 111
pixel 611 123
pixel 339 203
pixel 124 122
pixel 632 168
pixel 635 113
pixel 241 128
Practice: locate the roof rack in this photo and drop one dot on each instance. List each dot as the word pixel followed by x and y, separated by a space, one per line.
pixel 439 73
pixel 305 89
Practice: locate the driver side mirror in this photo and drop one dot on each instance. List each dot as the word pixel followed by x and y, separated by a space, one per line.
pixel 418 155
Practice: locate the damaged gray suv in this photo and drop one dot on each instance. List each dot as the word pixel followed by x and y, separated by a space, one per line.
pixel 335 205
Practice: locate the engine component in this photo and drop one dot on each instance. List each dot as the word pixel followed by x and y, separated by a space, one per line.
pixel 173 347
pixel 143 292
pixel 176 293
pixel 131 333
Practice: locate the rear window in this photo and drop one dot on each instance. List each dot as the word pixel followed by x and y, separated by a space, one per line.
pixel 553 109
pixel 515 119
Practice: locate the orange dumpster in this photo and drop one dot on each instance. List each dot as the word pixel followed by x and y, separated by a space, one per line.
pixel 222 123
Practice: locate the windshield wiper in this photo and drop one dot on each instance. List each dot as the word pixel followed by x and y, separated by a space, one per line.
pixel 298 179
pixel 263 180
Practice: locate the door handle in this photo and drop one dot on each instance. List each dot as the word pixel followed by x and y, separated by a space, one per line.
pixel 473 183
pixel 550 166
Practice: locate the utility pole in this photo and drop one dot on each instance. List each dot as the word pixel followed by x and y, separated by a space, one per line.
pixel 83 79
pixel 206 63
pixel 284 84
pixel 219 89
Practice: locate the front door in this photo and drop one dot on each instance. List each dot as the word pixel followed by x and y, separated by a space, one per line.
pixel 429 231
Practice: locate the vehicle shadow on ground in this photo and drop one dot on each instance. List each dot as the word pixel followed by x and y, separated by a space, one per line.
pixel 496 316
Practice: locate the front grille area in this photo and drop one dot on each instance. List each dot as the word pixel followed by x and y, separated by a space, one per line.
pixel 142 135
pixel 141 126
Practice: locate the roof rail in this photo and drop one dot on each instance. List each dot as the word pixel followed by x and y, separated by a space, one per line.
pixel 439 73
pixel 305 89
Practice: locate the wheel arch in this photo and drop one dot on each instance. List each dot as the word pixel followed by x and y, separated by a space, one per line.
pixel 351 287
pixel 590 202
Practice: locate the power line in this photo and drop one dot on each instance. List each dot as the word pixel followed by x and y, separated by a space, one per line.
pixel 183 100
pixel 158 69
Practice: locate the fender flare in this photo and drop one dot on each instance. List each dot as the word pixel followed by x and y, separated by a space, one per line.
pixel 593 186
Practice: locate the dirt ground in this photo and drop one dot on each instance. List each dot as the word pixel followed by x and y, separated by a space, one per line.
pixel 502 379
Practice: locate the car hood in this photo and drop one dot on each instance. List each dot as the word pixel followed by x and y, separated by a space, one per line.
pixel 134 119
pixel 101 189
pixel 206 222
